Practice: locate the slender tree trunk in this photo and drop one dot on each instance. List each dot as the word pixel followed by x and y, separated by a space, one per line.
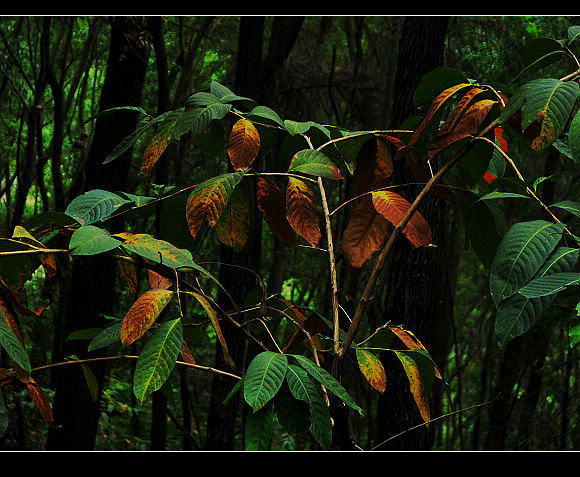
pixel 419 283
pixel 91 291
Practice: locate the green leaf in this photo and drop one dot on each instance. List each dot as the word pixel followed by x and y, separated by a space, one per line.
pixel 573 33
pixel 293 415
pixel 159 251
pixel 549 285
pixel 574 137
pixel 302 388
pixel 258 431
pixel 569 206
pixel 265 112
pixel 521 253
pixel 296 127
pixel 550 101
pixel 157 359
pixel 314 163
pixel 436 81
pixel 326 379
pixel 517 314
pixel 12 345
pixel 107 336
pixel 94 205
pixel 503 195
pixel 91 240
pixel 263 378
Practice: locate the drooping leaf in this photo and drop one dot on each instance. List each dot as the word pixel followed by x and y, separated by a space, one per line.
pixel 41 402
pixel 233 226
pixel 365 233
pixel 272 203
pixel 258 430
pixel 372 369
pixel 327 380
pixel 107 336
pixel 520 254
pixel 129 274
pixel 374 165
pixel 157 359
pixel 393 207
pixel 314 163
pixel 243 144
pixel 94 206
pixel 420 374
pixel 517 314
pixel 157 147
pixel 263 378
pixel 11 344
pixel 143 314
pixel 570 206
pixel 91 240
pixel 467 126
pixel 158 251
pixel 264 112
pixel 48 260
pixel 204 302
pixel 293 415
pixel 209 199
pixel 574 137
pixel 302 388
pixel 301 210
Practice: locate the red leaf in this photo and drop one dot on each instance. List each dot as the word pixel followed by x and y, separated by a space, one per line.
pixel 156 148
pixel 365 233
pixel 233 227
pixel 41 402
pixel 143 313
pixel 129 274
pixel 243 145
pixel 301 210
pixel 271 202
pixel 374 165
pixel 157 280
pixel 393 207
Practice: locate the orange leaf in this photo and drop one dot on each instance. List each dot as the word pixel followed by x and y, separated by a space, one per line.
pixel 157 280
pixel 129 274
pixel 233 227
pixel 372 369
pixel 467 126
pixel 393 207
pixel 243 144
pixel 301 210
pixel 411 342
pixel 156 147
pixel 143 314
pixel 374 165
pixel 186 354
pixel 216 325
pixel 271 202
pixel 451 121
pixel 209 199
pixel 365 233
pixel 416 383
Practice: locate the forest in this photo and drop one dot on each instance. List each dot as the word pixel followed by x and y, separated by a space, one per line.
pixel 289 233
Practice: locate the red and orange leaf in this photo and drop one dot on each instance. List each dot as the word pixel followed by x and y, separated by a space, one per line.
pixel 467 126
pixel 243 144
pixel 186 354
pixel 157 280
pixel 271 202
pixel 233 227
pixel 156 148
pixel 129 274
pixel 209 199
pixel 411 342
pixel 393 207
pixel 459 109
pixel 416 384
pixel 204 302
pixel 41 402
pixel 364 235
pixel 143 314
pixel 372 369
pixel 301 210
pixel 433 108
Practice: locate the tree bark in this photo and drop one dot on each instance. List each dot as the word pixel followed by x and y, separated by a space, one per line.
pixel 91 292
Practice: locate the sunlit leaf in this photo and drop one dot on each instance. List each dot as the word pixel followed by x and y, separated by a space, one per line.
pixel 91 240
pixel 94 205
pixel 314 163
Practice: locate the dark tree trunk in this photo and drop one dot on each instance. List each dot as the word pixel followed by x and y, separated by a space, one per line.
pixel 91 291
pixel 419 283
pixel 255 78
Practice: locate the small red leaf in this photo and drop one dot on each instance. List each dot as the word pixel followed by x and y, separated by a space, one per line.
pixel 393 207
pixel 301 210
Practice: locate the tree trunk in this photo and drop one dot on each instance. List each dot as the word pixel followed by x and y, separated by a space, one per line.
pixel 419 282
pixel 91 291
